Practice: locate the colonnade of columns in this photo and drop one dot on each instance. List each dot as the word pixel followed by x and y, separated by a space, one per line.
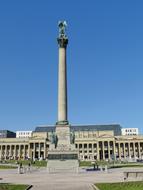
pixel 13 151
pixel 23 151
pixel 110 150
pixel 97 150
pixel 129 150
pixel 38 150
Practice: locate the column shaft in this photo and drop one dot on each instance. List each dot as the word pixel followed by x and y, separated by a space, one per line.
pixel 119 151
pixel 124 147
pixel 29 151
pixel 45 150
pixel 103 150
pixel 1 152
pixel 14 151
pixel 5 151
pixel 139 150
pixel 129 152
pixel 24 151
pixel 39 155
pixel 109 150
pixel 33 150
pixel 134 150
pixel 97 150
pixel 114 150
pixel 62 86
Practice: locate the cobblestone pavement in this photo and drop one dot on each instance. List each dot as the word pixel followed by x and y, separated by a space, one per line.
pixel 41 180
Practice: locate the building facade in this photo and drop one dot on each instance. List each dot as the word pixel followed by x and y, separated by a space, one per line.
pixel 92 143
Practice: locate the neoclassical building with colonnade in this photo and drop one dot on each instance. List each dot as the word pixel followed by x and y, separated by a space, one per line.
pixel 93 142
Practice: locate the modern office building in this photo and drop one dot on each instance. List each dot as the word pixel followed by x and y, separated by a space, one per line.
pixel 130 131
pixel 7 134
pixel 23 134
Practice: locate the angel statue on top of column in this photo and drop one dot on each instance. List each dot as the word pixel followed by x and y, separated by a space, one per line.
pixel 62 28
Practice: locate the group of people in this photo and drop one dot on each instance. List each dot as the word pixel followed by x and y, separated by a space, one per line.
pixel 21 168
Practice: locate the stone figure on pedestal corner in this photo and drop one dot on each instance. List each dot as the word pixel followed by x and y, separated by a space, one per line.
pixel 54 138
pixel 72 137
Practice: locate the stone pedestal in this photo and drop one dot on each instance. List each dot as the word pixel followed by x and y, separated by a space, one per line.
pixel 64 156
pixel 63 166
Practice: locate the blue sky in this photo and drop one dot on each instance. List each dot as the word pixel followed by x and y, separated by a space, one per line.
pixel 104 57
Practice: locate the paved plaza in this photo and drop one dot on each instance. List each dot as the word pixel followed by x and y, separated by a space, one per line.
pixel 84 180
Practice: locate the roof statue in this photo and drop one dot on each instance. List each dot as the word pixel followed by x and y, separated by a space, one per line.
pixel 62 28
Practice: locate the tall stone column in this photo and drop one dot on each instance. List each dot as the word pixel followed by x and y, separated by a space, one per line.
pixel 62 144
pixel 62 76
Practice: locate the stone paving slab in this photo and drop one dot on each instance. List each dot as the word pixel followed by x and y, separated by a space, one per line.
pixel 41 180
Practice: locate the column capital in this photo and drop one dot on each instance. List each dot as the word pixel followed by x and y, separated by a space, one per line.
pixel 62 41
pixel 64 122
